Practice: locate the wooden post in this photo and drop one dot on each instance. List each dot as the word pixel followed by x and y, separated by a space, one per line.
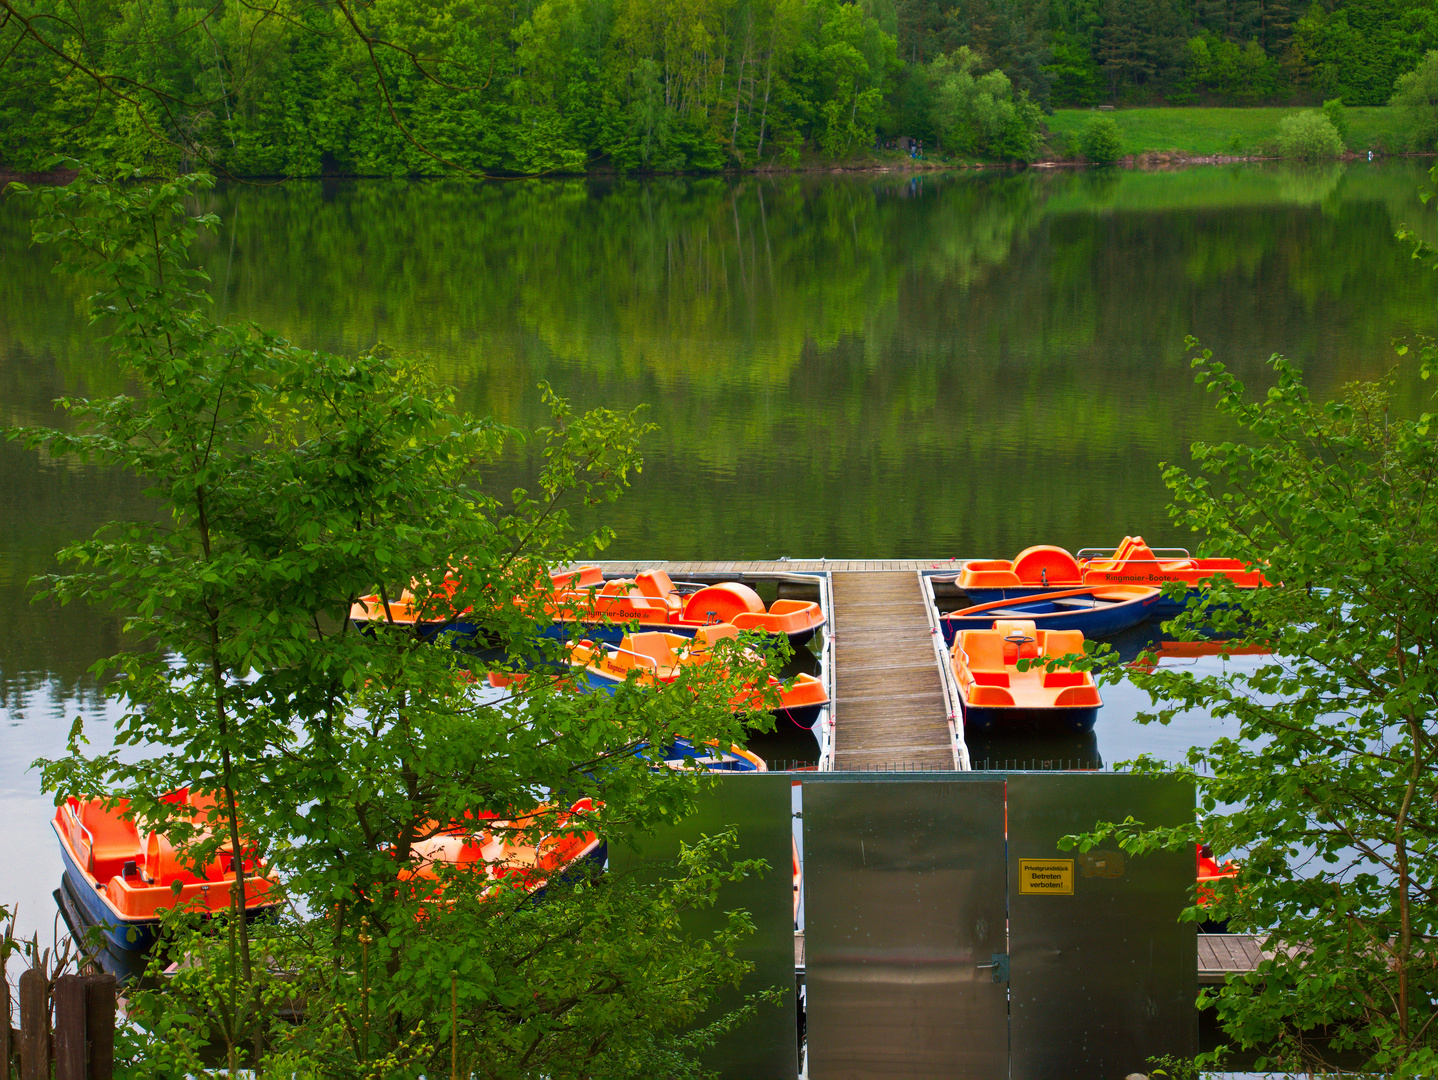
pixel 34 1026
pixel 70 1028
pixel 5 1048
pixel 100 1026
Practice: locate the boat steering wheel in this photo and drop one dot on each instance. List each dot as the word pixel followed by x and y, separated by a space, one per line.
pixel 1018 637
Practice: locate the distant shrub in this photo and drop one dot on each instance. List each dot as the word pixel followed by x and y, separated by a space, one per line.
pixel 1100 142
pixel 1309 136
pixel 1338 117
pixel 1416 94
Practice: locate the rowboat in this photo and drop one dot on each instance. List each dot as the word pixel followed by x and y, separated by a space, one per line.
pixel 580 601
pixel 995 692
pixel 1045 568
pixel 1096 612
pixel 123 885
pixel 657 657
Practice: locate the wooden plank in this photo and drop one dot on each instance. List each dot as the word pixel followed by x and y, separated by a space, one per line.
pixel 6 1051
pixel 100 1026
pixel 34 1025
pixel 70 1028
pixel 890 705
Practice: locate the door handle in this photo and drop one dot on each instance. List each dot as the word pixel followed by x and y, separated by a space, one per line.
pixel 999 965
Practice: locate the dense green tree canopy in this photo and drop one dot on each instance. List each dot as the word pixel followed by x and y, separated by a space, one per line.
pixel 536 86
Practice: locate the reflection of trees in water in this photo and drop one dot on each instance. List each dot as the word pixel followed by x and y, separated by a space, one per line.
pixel 851 365
pixel 1308 185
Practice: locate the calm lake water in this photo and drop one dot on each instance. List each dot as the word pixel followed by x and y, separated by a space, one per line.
pixel 842 366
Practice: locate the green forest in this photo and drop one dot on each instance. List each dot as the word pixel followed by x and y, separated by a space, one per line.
pixel 526 87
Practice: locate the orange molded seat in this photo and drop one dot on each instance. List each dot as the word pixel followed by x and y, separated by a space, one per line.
pixel 580 577
pixel 706 636
pixel 116 840
pixel 163 865
pixel 984 649
pixel 990 696
pixel 654 583
pixel 1019 639
pixel 617 587
pixel 1074 696
pixel 983 655
pixel 653 645
pixel 1044 564
pixel 1120 554
pixel 1063 642
pixel 1056 679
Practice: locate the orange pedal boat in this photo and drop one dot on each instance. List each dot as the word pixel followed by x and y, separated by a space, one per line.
pixel 121 884
pixel 1045 568
pixel 658 657
pixel 653 602
pixel 494 845
pixel 601 610
pixel 995 692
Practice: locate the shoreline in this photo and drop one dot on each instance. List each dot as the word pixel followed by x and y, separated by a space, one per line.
pixel 1148 161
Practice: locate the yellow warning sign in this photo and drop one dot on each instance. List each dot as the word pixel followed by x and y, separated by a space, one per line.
pixel 1052 876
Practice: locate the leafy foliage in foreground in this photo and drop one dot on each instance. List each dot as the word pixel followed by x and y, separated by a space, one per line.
pixel 293 483
pixel 1327 789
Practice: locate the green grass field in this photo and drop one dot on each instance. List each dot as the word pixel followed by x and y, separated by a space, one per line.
pixel 1202 132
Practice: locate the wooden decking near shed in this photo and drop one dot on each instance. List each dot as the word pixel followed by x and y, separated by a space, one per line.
pixel 1221 955
pixel 890 707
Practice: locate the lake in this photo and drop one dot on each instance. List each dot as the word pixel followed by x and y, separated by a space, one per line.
pixel 841 366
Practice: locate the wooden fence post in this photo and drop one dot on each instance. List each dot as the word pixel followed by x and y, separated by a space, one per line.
pixel 5 1048
pixel 100 1026
pixel 70 1028
pixel 34 1026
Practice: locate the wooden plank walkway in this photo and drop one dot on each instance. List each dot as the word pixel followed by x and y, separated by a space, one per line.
pixel 890 710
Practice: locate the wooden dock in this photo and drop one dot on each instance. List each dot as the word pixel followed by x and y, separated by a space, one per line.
pixel 890 708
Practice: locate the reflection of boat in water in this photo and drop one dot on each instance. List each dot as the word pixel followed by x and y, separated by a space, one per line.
pixel 994 692
pixel 1034 747
pixel 123 886
pixel 1045 568
pixel 125 965
pixel 1095 613
pixel 581 601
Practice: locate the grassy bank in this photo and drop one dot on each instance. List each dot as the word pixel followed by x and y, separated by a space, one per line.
pixel 1203 132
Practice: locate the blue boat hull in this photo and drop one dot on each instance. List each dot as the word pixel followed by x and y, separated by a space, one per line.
pixel 121 936
pixel 987 719
pixel 1095 622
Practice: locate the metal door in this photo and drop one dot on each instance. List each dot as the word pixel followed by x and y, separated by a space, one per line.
pixel 904 900
pixel 1103 973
